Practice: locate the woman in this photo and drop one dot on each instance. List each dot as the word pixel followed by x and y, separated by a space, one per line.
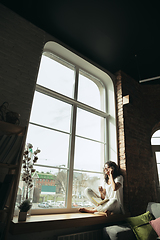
pixel 112 190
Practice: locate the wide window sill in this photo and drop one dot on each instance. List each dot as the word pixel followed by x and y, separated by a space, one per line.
pixel 37 223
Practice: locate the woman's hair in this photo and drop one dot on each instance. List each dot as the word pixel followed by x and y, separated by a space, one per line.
pixel 116 170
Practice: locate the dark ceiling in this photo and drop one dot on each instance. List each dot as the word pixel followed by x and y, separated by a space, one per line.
pixel 115 34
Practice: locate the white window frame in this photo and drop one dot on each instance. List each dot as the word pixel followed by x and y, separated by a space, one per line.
pixel 109 110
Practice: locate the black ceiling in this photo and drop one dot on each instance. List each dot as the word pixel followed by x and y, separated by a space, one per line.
pixel 116 34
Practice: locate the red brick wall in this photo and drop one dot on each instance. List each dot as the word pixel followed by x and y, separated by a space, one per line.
pixel 121 138
pixel 136 121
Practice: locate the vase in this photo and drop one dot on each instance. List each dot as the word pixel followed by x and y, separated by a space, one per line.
pixel 22 216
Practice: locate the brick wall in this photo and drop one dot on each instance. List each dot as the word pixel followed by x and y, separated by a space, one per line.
pixel 136 122
pixel 121 138
pixel 21 45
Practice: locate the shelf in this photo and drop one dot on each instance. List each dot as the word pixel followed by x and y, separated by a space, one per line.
pixel 9 128
pixel 12 144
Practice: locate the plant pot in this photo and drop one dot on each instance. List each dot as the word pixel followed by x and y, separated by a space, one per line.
pixel 22 216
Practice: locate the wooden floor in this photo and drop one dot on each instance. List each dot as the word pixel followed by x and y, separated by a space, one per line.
pixel 38 223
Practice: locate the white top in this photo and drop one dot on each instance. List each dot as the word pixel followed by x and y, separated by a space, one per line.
pixel 115 194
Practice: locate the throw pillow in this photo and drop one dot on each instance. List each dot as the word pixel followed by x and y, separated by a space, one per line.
pixel 156 225
pixel 141 227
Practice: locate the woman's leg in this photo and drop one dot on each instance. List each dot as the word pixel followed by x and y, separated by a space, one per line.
pixel 112 206
pixel 89 193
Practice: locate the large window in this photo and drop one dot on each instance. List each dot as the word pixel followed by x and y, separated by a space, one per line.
pixel 73 124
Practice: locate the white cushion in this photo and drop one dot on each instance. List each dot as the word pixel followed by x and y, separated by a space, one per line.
pixel 154 208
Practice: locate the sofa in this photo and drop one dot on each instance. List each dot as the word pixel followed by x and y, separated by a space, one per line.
pixel 127 230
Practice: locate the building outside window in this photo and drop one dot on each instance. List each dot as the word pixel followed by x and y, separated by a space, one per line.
pixel 73 123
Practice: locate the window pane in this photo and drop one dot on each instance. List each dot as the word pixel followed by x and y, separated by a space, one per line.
pixel 158 168
pixel 51 144
pixel 50 112
pixel 56 76
pixel 89 155
pixel 49 188
pixel 80 182
pixel 155 140
pixel 89 125
pixel 88 92
pixel 158 163
pixel 158 157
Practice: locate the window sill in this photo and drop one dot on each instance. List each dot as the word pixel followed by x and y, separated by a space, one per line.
pixel 37 223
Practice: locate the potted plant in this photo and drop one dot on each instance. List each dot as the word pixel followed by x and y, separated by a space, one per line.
pixel 29 159
pixel 24 208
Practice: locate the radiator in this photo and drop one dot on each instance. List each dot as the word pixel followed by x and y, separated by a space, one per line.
pixel 91 235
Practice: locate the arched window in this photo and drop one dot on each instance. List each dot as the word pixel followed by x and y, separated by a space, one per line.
pixel 73 123
pixel 155 141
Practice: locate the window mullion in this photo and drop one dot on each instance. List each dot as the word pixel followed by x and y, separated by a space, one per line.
pixel 72 143
pixel 106 131
pixel 76 83
pixel 66 99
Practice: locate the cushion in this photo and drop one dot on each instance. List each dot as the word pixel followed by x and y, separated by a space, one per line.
pixel 118 232
pixel 141 227
pixel 156 225
pixel 154 208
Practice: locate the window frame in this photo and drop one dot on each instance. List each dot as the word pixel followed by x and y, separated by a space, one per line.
pixel 109 109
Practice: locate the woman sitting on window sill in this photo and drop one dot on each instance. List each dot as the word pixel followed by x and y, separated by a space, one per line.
pixel 112 191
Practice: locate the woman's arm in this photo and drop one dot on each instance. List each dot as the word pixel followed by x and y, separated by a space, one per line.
pixel 115 186
pixel 102 192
